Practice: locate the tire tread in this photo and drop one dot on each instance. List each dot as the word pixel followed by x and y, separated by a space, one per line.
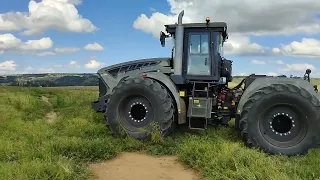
pixel 243 122
pixel 167 123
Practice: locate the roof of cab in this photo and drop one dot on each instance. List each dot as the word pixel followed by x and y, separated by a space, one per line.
pixel 172 27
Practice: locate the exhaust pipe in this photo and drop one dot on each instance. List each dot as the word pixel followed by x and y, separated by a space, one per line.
pixel 179 46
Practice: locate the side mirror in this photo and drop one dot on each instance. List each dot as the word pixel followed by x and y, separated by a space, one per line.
pixel 225 35
pixel 163 37
pixel 307 75
pixel 308 71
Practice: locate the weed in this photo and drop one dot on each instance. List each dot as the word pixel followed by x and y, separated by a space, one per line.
pixel 156 135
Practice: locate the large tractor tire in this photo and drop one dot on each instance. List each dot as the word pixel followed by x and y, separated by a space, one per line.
pixel 281 119
pixel 137 106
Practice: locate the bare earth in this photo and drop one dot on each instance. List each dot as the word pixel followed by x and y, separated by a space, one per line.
pixel 51 116
pixel 135 166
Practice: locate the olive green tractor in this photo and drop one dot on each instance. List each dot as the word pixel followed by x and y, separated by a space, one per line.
pixel 274 114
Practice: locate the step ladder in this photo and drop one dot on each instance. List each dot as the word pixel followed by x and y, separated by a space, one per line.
pixel 200 103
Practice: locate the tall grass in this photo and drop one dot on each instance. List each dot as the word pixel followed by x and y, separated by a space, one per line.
pixel 32 148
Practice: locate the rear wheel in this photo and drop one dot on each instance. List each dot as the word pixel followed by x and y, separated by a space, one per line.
pixel 281 118
pixel 136 105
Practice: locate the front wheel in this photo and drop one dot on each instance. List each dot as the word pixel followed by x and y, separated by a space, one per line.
pixel 138 104
pixel 281 119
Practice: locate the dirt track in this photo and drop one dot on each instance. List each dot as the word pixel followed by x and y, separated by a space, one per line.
pixel 134 166
pixel 51 116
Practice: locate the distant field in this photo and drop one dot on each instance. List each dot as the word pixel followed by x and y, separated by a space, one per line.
pixel 316 81
pixel 52 133
pixel 95 88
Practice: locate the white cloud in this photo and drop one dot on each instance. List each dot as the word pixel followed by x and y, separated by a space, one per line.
pixel 239 45
pixel 61 15
pixel 276 51
pixel 43 54
pixel 75 2
pixel 8 42
pixel 298 67
pixel 242 16
pixel 74 64
pixel 42 44
pixel 93 64
pixel 155 23
pixel 258 62
pixel 66 50
pixel 282 67
pixel 8 65
pixel 308 47
pixel 94 47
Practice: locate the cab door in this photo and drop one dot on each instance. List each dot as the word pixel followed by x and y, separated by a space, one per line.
pixel 198 54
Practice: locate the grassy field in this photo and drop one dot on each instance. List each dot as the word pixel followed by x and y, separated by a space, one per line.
pixel 31 147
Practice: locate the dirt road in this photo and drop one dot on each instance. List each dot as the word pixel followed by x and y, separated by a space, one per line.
pixel 134 166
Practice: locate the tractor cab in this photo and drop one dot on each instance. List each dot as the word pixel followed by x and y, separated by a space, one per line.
pixel 198 50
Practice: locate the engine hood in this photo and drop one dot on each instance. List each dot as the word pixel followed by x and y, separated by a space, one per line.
pixel 164 61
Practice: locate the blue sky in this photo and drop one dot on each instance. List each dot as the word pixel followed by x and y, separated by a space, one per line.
pixel 125 34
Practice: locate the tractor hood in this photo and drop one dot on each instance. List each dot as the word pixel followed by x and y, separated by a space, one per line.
pixel 135 64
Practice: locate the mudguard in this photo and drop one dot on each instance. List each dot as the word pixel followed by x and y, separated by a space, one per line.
pixel 167 82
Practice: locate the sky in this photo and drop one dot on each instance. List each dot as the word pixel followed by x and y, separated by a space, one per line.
pixel 81 36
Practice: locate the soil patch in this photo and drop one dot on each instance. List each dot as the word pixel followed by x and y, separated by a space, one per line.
pixel 46 100
pixel 135 166
pixel 51 117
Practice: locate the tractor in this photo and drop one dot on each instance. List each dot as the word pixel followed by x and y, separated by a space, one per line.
pixel 278 115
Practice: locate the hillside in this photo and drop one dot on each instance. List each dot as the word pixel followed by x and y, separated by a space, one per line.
pixel 69 79
pixel 49 80
pixel 52 133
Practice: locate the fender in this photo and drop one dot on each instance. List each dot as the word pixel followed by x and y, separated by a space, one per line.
pixel 167 82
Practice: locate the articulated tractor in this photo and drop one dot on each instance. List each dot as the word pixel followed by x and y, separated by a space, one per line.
pixel 278 115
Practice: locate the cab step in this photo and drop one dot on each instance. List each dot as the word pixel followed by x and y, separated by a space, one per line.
pixel 200 107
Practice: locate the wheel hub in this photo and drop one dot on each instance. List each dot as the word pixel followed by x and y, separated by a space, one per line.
pixel 282 124
pixel 138 112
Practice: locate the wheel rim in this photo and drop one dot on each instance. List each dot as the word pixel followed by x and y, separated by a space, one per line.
pixel 135 111
pixel 283 125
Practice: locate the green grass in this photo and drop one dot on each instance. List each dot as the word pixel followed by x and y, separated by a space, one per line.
pixel 32 148
pixel 316 81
